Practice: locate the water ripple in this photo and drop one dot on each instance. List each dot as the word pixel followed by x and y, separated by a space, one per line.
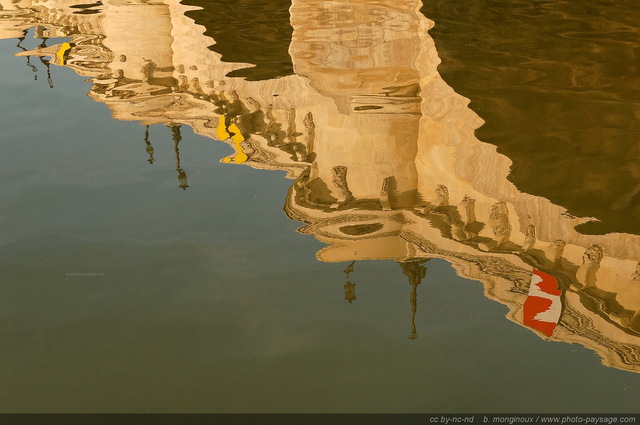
pixel 558 85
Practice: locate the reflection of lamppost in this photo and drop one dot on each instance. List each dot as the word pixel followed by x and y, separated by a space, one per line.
pixel 415 271
pixel 349 287
pixel 182 178
pixel 149 147
pixel 19 45
pixel 39 33
pixel 182 175
pixel 48 65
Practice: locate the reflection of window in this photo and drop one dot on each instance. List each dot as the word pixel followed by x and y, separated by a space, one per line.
pixel 361 229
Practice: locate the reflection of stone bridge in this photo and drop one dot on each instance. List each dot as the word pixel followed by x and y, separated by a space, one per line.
pixel 382 152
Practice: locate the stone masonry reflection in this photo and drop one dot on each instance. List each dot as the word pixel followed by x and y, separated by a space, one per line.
pixel 381 151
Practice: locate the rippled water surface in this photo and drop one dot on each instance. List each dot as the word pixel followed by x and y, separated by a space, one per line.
pixel 314 206
pixel 558 85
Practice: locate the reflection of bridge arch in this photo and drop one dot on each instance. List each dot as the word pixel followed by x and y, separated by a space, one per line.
pixel 382 152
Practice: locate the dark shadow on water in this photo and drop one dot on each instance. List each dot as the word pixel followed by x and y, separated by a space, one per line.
pixel 558 86
pixel 246 31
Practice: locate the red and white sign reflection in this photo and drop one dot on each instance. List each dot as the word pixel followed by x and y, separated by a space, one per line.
pixel 543 306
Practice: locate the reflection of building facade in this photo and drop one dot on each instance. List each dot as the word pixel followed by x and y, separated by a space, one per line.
pixel 382 152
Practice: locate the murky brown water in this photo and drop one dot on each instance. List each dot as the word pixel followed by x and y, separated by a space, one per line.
pixel 558 86
pixel 418 150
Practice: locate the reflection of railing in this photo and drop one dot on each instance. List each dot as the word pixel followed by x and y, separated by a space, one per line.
pixel 372 153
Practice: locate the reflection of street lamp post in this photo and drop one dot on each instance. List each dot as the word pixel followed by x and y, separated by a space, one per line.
pixel 182 178
pixel 177 137
pixel 20 40
pixel 39 33
pixel 149 148
pixel 415 271
pixel 349 287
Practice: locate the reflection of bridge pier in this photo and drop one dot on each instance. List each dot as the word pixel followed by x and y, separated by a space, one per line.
pixel 382 151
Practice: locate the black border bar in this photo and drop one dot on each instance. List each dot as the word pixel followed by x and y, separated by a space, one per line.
pixel 321 419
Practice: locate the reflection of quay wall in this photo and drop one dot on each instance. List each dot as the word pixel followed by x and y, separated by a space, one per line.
pixel 16 18
pixel 438 191
pixel 383 152
pixel 362 57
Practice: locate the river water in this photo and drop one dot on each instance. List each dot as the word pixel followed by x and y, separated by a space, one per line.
pixel 314 206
